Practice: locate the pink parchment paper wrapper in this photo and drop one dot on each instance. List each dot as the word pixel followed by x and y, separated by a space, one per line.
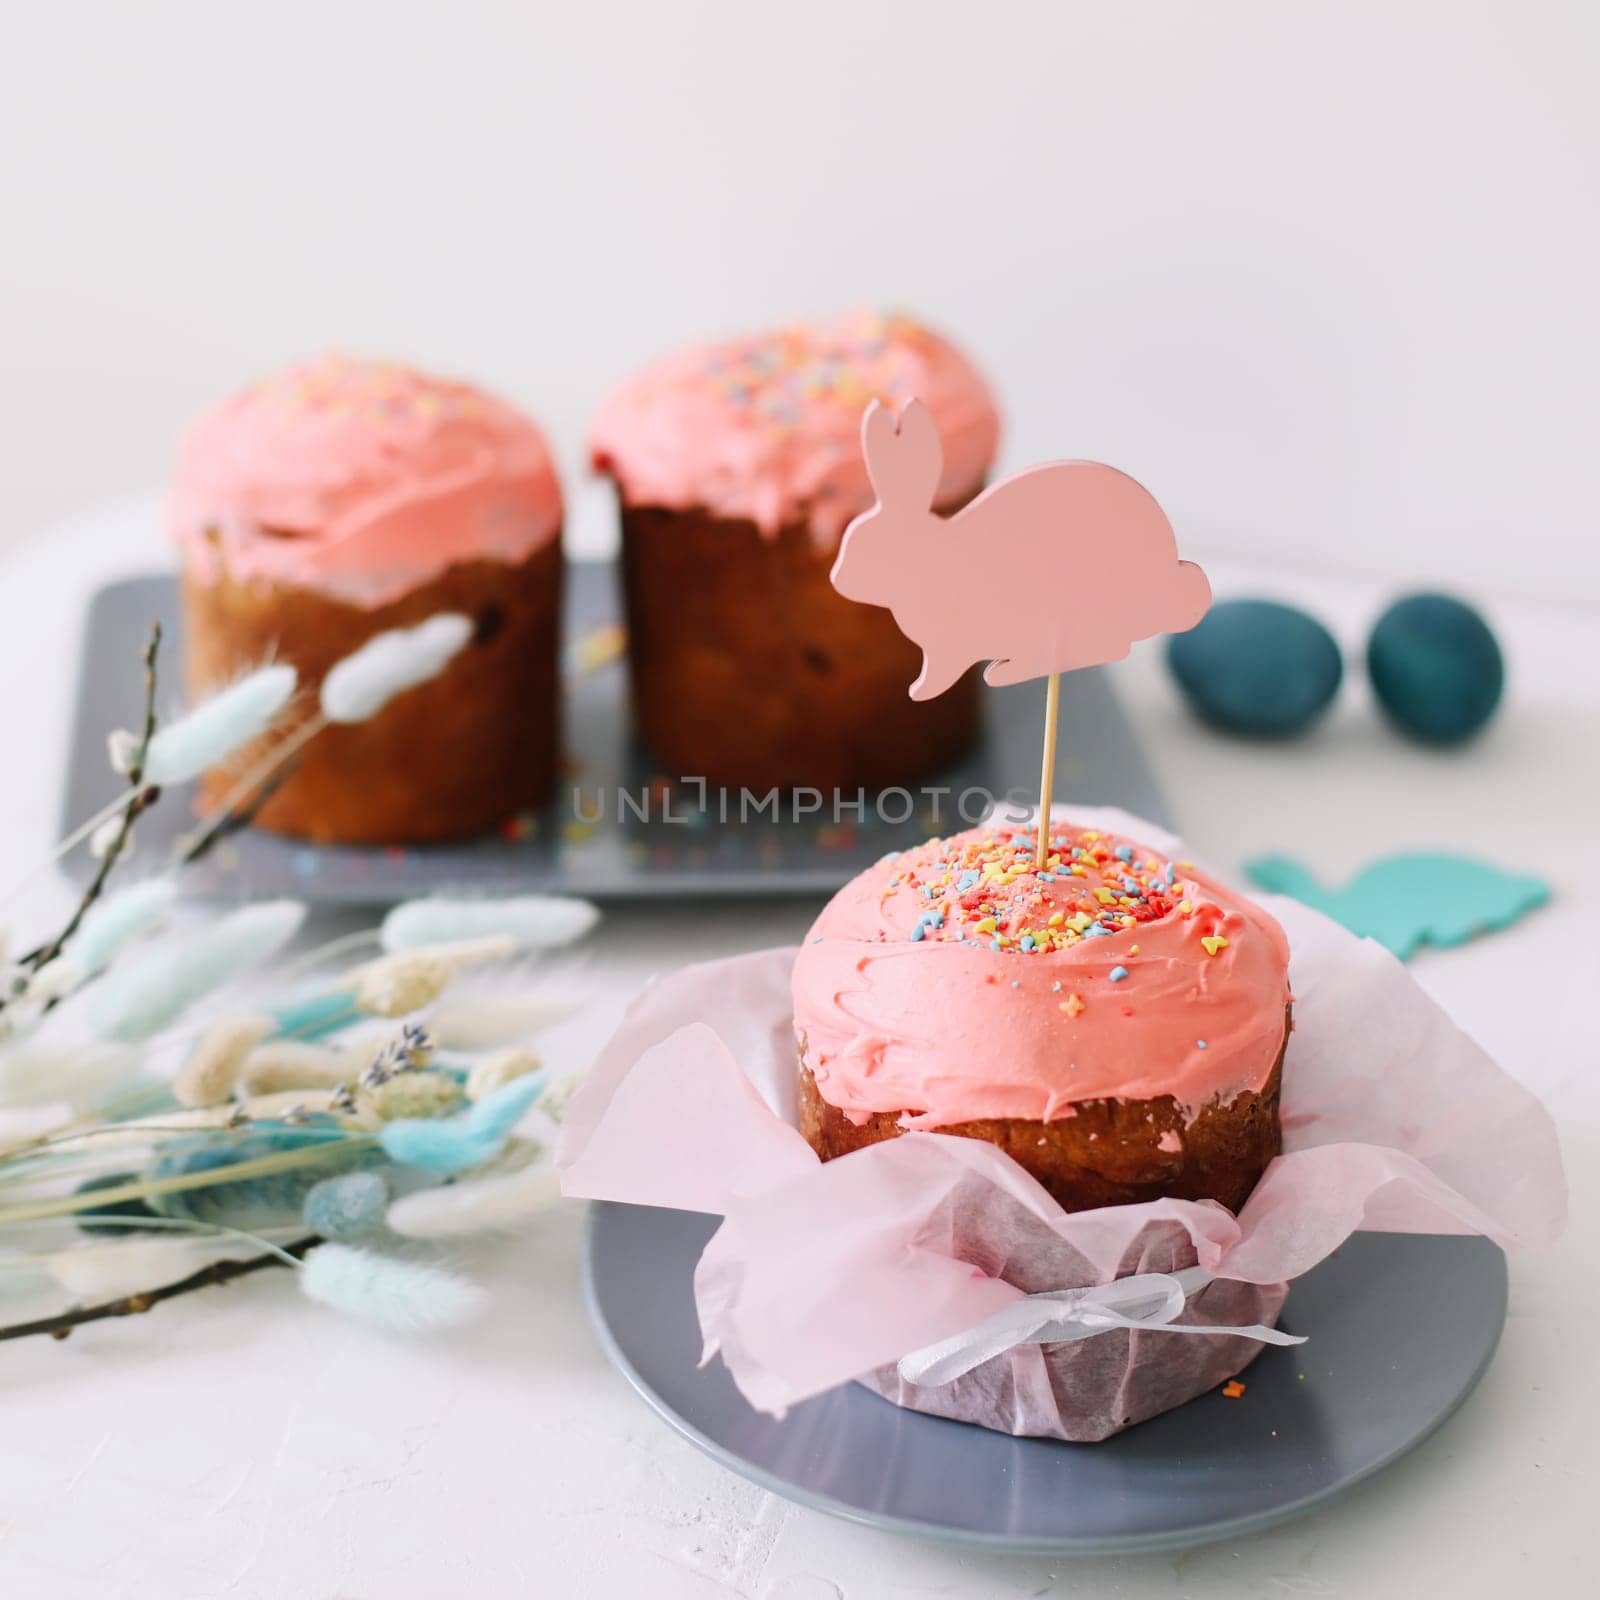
pixel 1393 1121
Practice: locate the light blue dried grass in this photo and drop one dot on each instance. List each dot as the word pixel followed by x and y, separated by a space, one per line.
pixel 536 922
pixel 217 727
pixel 264 1198
pixel 348 1206
pixel 498 1113
pixel 139 1000
pixel 404 1296
pixel 452 1144
pixel 36 1074
pixel 315 1016
pixel 119 918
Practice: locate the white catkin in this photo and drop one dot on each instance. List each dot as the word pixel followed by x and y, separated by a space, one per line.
pixel 54 981
pixel 482 1018
pixel 207 1077
pixel 34 1074
pixel 121 747
pixel 20 1126
pixel 282 1064
pixel 397 988
pixel 106 835
pixel 496 1071
pixel 477 1204
pixel 365 681
pixel 95 1272
pixel 535 922
pixel 397 985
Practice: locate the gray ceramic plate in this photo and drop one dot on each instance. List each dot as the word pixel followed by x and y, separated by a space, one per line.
pixel 620 856
pixel 1401 1328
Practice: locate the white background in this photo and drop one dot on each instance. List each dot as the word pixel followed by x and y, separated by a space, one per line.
pixel 1322 275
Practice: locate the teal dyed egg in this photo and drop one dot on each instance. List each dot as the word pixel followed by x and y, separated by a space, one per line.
pixel 1256 667
pixel 1436 668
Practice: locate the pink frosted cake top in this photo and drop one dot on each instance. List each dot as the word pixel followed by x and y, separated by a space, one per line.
pixel 954 982
pixel 768 428
pixel 359 479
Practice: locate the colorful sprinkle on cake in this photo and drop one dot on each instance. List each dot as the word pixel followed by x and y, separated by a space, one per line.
pixel 984 887
pixel 767 427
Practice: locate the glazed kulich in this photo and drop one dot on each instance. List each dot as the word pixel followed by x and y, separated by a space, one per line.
pixel 738 466
pixel 1116 1022
pixel 342 498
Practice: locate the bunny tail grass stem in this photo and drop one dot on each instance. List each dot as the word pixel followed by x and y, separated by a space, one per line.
pixel 83 830
pixel 1047 768
pixel 218 1272
pixel 253 777
pixel 133 805
pixel 198 844
pixel 193 1227
pixel 236 1172
pixel 54 1144
pixel 54 1141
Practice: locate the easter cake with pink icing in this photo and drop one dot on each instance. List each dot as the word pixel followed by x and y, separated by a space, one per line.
pixel 1115 1021
pixel 341 498
pixel 737 466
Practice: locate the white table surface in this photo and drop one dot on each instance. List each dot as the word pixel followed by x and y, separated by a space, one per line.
pixel 243 1443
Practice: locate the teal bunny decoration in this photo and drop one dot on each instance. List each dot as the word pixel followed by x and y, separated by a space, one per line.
pixel 1409 900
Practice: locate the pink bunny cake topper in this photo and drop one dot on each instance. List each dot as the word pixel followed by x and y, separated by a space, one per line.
pixel 1058 567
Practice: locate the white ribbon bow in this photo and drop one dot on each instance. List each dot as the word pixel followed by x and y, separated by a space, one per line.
pixel 1148 1300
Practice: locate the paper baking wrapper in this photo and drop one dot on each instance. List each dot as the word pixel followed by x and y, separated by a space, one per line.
pixel 821 1273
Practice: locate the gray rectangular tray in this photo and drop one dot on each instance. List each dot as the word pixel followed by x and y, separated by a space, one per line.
pixel 673 851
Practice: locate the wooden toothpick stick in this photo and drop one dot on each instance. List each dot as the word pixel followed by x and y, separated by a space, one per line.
pixel 1047 770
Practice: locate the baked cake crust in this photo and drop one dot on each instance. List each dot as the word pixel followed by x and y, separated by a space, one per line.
pixel 450 758
pixel 738 466
pixel 750 670
pixel 340 498
pixel 1109 1152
